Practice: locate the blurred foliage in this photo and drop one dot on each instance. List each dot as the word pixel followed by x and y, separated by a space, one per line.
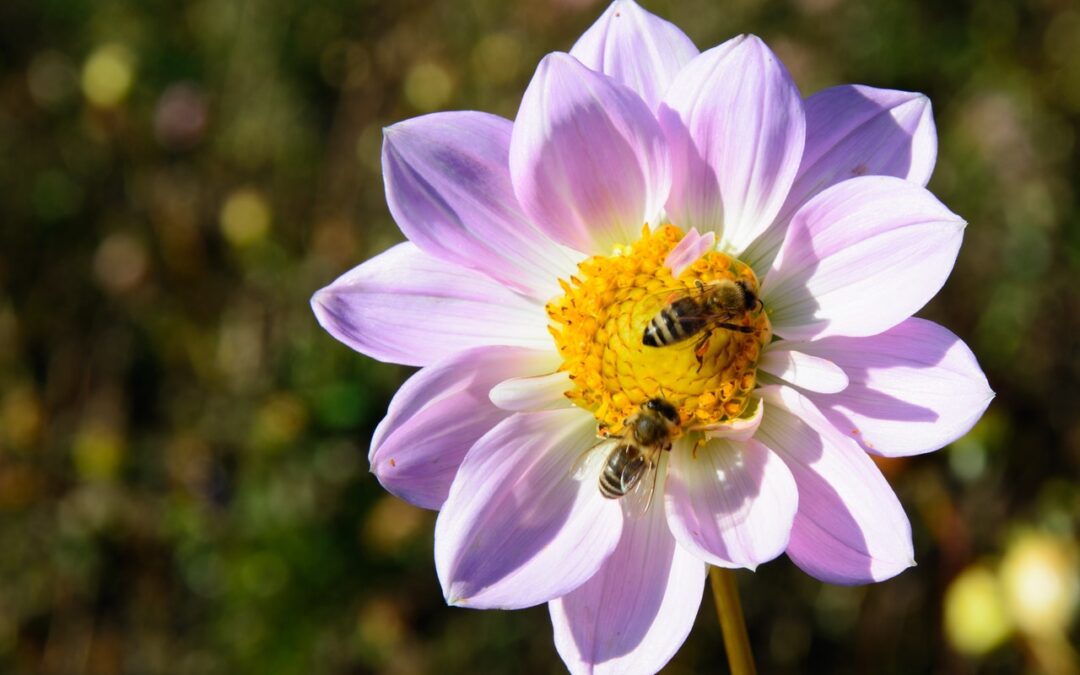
pixel 183 484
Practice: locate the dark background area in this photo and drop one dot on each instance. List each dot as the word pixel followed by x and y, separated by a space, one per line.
pixel 183 475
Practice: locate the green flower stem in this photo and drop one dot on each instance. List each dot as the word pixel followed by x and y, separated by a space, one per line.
pixel 736 642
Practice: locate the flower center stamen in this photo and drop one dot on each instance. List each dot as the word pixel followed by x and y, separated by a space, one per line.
pixel 599 324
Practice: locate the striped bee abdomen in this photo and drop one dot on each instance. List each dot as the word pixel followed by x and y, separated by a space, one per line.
pixel 675 323
pixel 622 470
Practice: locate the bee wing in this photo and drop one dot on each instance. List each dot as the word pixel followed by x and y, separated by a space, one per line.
pixel 669 297
pixel 590 463
pixel 637 501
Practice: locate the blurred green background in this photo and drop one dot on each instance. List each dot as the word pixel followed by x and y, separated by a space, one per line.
pixel 183 476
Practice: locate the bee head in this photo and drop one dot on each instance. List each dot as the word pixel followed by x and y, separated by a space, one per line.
pixel 661 406
pixel 750 299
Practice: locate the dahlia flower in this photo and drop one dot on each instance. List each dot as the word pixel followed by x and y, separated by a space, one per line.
pixel 538 251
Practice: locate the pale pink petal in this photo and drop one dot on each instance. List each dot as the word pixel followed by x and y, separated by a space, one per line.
pixel 539 392
pixel 404 306
pixel 448 187
pixel 860 258
pixel 437 415
pixel 850 528
pixel 735 123
pixel 790 361
pixel 855 130
pixel 689 249
pixel 914 388
pixel 636 48
pixel 731 503
pixel 519 528
pixel 635 613
pixel 587 157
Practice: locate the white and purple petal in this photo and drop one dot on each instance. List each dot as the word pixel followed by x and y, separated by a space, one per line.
pixel 854 130
pixel 587 158
pixel 730 503
pixel 448 187
pixel 735 124
pixel 519 528
pixel 536 392
pixel 860 258
pixel 850 527
pixel 914 388
pixel 788 361
pixel 404 306
pixel 635 613
pixel 437 415
pixel 636 48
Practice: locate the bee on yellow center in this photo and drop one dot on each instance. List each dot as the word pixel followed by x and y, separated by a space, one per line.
pixel 629 332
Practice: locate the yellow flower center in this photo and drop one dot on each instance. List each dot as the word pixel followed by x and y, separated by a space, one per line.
pixel 599 326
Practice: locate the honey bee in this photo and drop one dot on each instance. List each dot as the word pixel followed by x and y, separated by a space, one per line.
pixel 630 467
pixel 715 305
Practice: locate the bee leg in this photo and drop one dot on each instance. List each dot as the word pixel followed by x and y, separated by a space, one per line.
pixel 655 475
pixel 701 348
pixel 697 444
pixel 735 327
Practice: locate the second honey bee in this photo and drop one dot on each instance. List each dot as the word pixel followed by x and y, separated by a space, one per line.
pixel 715 305
pixel 630 468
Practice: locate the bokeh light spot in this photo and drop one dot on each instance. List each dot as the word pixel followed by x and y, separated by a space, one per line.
pixel 98 453
pixel 120 263
pixel 51 78
pixel 976 620
pixel 392 523
pixel 1042 582
pixel 280 420
pixel 21 417
pixel 181 117
pixel 245 217
pixel 428 86
pixel 108 74
pixel 497 58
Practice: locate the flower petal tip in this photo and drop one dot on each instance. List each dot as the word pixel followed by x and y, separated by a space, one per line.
pixel 950 218
pixel 453 601
pixel 321 306
pixel 553 58
pixel 453 595
pixel 886 572
pixel 377 466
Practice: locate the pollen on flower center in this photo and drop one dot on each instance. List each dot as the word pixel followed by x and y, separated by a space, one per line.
pixel 599 324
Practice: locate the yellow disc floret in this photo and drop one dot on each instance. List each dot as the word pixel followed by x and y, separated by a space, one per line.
pixel 599 324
